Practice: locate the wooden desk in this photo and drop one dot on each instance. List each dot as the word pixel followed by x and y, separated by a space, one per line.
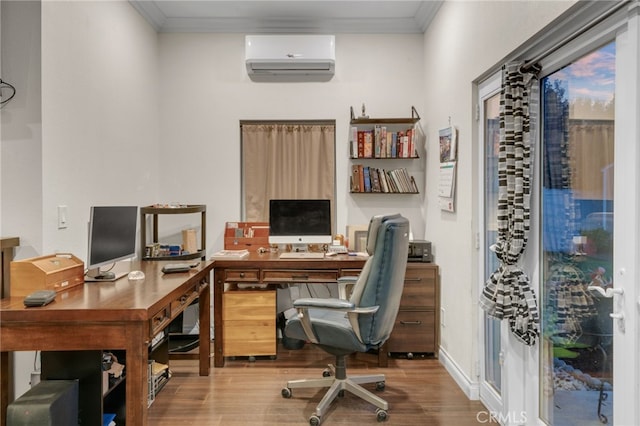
pixel 111 315
pixel 267 268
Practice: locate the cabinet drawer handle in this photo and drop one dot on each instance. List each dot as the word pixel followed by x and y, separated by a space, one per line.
pixel 417 279
pixel 411 322
pixel 241 274
pixel 300 277
pixel 183 299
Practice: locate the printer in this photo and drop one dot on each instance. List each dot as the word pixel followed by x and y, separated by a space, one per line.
pixel 420 251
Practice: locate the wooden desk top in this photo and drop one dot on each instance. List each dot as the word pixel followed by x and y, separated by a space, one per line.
pixel 272 260
pixel 111 301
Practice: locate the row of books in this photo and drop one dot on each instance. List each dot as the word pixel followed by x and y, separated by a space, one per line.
pixel 381 143
pixel 372 179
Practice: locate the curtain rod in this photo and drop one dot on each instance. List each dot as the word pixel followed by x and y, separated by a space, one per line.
pixel 532 64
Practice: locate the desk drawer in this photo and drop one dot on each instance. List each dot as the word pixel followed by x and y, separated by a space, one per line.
pixel 160 320
pixel 414 331
pixel 419 289
pixel 350 272
pixel 299 276
pixel 418 294
pixel 249 305
pixel 185 300
pixel 242 275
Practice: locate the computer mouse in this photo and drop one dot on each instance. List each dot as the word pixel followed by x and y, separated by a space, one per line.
pixel 136 275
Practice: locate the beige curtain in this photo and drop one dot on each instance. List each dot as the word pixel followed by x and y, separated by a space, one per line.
pixel 286 161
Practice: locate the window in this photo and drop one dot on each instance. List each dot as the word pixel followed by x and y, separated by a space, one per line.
pixel 286 160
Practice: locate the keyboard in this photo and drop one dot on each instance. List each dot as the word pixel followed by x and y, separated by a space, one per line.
pixel 337 249
pixel 301 255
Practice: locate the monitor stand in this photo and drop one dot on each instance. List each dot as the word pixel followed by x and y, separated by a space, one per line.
pixel 299 248
pixel 95 275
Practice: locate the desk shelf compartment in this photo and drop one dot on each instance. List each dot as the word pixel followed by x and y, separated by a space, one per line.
pixel 155 212
pixel 97 393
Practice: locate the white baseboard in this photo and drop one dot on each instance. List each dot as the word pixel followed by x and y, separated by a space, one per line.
pixel 470 388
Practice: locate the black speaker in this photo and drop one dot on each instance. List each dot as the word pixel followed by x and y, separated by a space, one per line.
pixel 49 403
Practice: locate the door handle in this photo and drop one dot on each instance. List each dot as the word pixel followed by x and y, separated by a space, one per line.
pixel 619 315
pixel 608 293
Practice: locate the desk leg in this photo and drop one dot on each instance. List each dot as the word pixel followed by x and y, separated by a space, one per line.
pixel 205 334
pixel 218 290
pixel 137 362
pixel 383 357
pixel 6 385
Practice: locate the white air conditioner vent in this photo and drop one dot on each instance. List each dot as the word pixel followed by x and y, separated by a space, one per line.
pixel 290 57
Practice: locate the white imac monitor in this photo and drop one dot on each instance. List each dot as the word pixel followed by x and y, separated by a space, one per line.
pixel 112 237
pixel 300 222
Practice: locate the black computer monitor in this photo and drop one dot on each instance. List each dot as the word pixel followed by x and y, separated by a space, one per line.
pixel 112 237
pixel 300 222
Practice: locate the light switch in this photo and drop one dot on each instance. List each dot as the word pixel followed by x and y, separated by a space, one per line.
pixel 62 217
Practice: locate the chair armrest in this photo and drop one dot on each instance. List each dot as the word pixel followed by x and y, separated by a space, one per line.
pixel 344 286
pixel 303 306
pixel 332 304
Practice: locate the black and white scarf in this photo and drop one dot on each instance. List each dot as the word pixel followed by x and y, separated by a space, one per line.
pixel 507 293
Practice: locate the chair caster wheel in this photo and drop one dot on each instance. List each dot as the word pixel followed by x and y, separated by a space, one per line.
pixel 380 386
pixel 286 393
pixel 314 420
pixel 409 355
pixel 381 415
pixel 326 372
pixel 252 359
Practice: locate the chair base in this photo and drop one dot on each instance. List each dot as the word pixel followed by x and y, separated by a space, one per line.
pixel 341 383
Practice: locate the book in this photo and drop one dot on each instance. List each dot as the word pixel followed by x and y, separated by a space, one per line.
pixel 360 138
pixel 368 144
pixel 355 178
pixel 367 179
pixel 230 254
pixel 353 142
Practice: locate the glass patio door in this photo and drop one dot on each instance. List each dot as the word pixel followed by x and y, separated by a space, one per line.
pixel 588 365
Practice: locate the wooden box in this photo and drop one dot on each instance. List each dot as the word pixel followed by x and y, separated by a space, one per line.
pixel 249 323
pixel 246 236
pixel 53 272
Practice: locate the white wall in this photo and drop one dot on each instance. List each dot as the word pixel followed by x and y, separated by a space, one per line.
pixel 83 127
pixel 21 149
pixel 100 102
pixel 464 41
pixel 205 92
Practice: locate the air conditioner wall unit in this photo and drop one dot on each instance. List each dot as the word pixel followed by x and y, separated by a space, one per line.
pixel 290 57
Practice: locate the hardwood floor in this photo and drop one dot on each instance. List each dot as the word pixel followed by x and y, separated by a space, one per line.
pixel 419 392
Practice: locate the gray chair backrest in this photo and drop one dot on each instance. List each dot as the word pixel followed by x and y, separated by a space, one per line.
pixel 382 279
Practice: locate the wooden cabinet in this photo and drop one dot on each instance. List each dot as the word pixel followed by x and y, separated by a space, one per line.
pixel 249 322
pixel 147 249
pixel 376 148
pixel 417 328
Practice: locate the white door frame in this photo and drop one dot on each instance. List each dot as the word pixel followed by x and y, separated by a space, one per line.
pixel 488 395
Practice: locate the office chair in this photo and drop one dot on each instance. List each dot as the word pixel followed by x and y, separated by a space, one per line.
pixel 359 322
